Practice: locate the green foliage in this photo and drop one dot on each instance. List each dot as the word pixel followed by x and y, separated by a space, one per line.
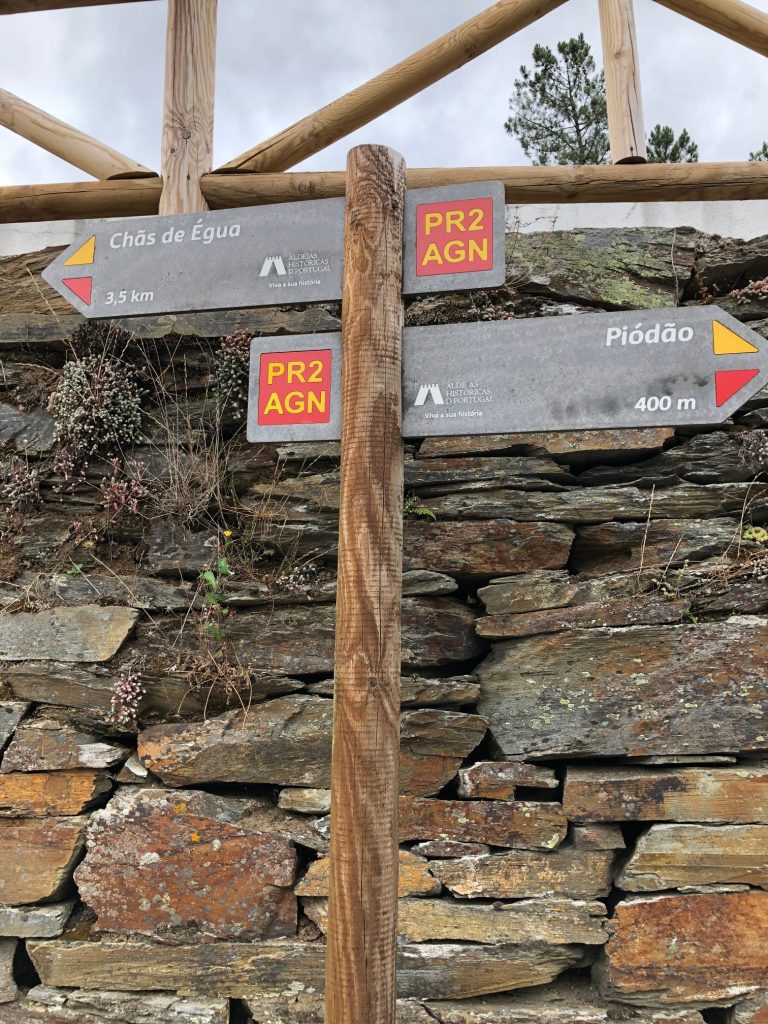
pixel 760 154
pixel 664 148
pixel 215 610
pixel 558 107
pixel 413 508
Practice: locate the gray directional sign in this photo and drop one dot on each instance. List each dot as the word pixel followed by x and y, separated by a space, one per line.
pixel 273 255
pixel 665 367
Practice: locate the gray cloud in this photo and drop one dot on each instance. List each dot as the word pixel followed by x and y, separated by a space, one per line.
pixel 101 70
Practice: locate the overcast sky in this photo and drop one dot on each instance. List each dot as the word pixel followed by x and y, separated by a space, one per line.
pixel 100 69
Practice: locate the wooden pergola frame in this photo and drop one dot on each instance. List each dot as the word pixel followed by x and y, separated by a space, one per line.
pixel 188 183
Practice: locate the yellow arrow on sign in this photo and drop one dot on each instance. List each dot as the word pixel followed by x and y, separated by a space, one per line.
pixel 727 342
pixel 84 254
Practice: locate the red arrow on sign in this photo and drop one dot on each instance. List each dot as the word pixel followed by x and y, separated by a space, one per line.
pixel 728 382
pixel 82 287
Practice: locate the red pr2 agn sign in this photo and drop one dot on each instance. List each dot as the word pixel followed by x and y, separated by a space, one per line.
pixel 294 387
pixel 455 237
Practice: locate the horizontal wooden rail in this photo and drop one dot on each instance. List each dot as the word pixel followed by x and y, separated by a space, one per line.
pixel 621 183
pixel 398 83
pixel 731 18
pixel 66 142
pixel 122 198
pixel 29 6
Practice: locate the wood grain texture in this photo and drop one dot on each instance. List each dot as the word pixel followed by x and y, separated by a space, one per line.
pixel 364 773
pixel 190 70
pixel 391 87
pixel 626 130
pixel 623 183
pixel 730 18
pixel 638 183
pixel 66 142
pixel 80 199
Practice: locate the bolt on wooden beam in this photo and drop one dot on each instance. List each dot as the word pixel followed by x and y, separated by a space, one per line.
pixel 626 130
pixel 391 87
pixel 190 71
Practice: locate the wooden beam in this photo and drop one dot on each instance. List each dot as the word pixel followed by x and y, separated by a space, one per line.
pixel 626 130
pixel 29 6
pixel 66 142
pixel 731 18
pixel 423 68
pixel 21 203
pixel 365 779
pixel 190 70
pixel 622 183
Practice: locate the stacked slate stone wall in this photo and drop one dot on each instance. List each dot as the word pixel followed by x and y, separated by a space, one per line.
pixel 584 760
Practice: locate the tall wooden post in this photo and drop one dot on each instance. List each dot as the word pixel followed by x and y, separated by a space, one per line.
pixel 190 69
pixel 362 924
pixel 626 130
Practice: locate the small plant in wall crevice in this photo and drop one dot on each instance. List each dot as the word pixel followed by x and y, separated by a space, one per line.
pixel 96 407
pixel 414 508
pixel 215 608
pixel 231 374
pixel 128 690
pixel 19 484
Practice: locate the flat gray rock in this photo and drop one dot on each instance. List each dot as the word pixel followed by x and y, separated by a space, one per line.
pixel 43 922
pixel 640 690
pixel 30 432
pixel 54 744
pixel 85 633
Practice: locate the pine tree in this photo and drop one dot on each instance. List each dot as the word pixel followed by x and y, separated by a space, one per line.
pixel 558 108
pixel 761 154
pixel 664 148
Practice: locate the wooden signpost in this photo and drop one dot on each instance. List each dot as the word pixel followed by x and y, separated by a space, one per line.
pixel 362 908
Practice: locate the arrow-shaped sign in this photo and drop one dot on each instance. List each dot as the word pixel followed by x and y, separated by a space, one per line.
pixel 273 255
pixel 665 367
